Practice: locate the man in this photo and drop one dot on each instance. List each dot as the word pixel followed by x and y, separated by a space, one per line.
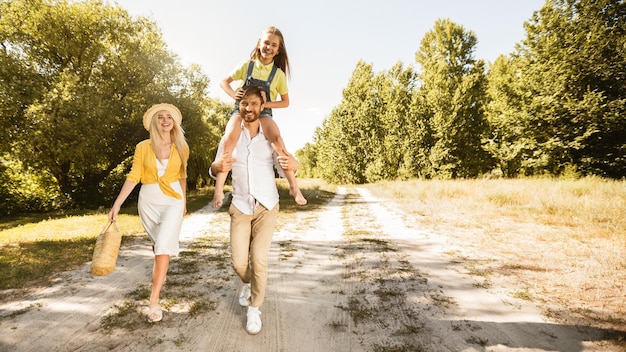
pixel 254 207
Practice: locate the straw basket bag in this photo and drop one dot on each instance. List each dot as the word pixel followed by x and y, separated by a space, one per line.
pixel 106 250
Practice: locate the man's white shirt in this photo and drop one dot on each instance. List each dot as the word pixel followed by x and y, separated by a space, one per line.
pixel 253 172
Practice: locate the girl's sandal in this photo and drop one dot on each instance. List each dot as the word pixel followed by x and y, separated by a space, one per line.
pixel 155 314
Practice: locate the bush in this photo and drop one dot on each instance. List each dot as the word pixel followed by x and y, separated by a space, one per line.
pixel 23 190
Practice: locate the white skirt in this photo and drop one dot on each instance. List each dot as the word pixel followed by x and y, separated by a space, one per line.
pixel 161 217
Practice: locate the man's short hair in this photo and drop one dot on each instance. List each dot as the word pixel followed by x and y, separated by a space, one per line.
pixel 253 90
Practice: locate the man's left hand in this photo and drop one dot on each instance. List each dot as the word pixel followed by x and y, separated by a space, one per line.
pixel 286 160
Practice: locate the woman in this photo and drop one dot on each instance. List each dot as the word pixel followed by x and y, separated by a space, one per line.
pixel 160 164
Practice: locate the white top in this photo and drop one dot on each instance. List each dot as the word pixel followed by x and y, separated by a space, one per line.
pixel 161 165
pixel 253 172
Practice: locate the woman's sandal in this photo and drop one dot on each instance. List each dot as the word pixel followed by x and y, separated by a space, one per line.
pixel 155 314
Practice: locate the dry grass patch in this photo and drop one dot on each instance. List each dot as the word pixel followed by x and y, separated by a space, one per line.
pixel 317 193
pixel 559 243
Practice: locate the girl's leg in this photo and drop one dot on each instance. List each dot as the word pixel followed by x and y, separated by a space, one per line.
pixel 232 135
pixel 273 133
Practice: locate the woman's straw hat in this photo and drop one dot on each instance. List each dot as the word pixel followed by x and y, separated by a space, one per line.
pixel 147 117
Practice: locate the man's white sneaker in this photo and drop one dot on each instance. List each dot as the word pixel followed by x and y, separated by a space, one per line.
pixel 245 295
pixel 253 326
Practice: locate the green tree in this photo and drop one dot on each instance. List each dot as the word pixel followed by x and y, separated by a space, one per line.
pixel 508 143
pixel 366 138
pixel 25 190
pixel 347 140
pixel 393 120
pixel 307 156
pixel 75 80
pixel 419 141
pixel 204 120
pixel 215 117
pixel 576 76
pixel 453 90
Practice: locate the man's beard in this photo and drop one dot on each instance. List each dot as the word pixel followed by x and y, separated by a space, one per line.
pixel 250 119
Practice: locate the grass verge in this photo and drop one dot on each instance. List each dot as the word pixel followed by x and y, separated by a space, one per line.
pixel 32 253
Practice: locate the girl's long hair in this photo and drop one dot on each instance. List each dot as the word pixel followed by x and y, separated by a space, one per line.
pixel 177 134
pixel 282 59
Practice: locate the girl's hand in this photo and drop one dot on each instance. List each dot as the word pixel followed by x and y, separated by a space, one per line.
pixel 239 94
pixel 218 199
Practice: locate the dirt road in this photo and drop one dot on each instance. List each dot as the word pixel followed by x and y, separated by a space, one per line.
pixel 354 275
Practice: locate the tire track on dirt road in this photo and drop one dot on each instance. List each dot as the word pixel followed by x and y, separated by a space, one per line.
pixel 304 279
pixel 387 297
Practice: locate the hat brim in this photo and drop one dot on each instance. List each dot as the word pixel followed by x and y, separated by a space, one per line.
pixel 147 117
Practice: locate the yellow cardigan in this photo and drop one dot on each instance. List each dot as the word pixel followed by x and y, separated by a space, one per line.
pixel 144 168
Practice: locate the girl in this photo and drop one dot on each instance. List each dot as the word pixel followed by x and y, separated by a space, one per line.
pixel 267 68
pixel 160 164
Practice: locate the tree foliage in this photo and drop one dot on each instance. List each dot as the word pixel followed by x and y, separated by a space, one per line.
pixel 345 137
pixel 75 80
pixel 394 121
pixel 575 74
pixel 508 143
pixel 363 138
pixel 554 105
pixel 453 90
pixel 399 124
pixel 76 77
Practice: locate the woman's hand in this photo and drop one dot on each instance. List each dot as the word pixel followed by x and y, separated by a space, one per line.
pixel 115 209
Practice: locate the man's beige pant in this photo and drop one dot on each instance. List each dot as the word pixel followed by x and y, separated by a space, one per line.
pixel 250 240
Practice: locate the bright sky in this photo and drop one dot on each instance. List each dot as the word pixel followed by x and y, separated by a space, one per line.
pixel 324 39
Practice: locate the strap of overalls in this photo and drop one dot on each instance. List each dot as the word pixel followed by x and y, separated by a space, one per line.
pixel 250 67
pixel 269 79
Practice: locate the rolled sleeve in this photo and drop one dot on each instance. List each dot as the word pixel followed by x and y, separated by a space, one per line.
pixel 137 169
